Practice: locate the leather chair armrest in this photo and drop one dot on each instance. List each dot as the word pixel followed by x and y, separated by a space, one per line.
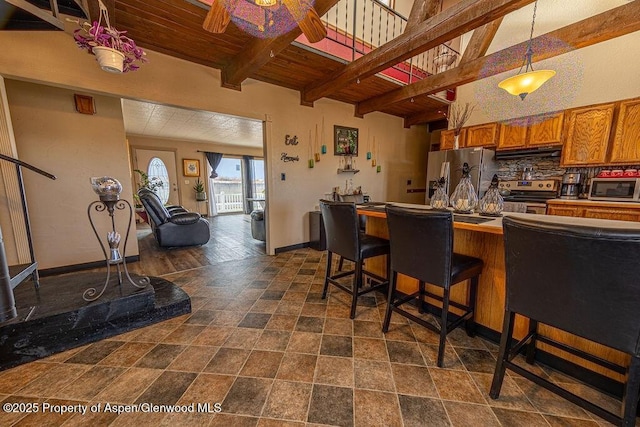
pixel 185 218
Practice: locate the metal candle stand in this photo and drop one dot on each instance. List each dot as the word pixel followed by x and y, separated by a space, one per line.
pixel 111 203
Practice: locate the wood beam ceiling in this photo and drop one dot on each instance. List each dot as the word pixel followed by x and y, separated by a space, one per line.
pixel 453 22
pixel 260 51
pixel 605 26
pixel 477 48
pixel 421 11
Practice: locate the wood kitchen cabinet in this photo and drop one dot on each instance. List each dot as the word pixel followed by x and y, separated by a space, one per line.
pixel 482 135
pixel 587 135
pixel 513 134
pixel 595 209
pixel 447 137
pixel 545 130
pixel 626 142
pixel 531 131
pixel 564 210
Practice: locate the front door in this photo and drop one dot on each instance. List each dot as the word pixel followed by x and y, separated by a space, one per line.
pixel 162 165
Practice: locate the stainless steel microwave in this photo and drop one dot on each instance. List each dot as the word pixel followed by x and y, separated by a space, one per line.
pixel 615 189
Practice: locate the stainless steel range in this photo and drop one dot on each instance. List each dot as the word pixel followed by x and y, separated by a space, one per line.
pixel 534 193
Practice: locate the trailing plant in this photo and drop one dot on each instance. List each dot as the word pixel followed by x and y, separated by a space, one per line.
pixel 96 34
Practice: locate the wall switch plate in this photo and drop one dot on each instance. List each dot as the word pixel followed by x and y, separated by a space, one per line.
pixel 283 176
pixel 186 182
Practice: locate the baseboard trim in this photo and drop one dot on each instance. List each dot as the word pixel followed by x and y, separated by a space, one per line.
pixel 291 248
pixel 79 267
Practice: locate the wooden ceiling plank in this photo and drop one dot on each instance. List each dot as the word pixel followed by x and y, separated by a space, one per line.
pixel 605 26
pixel 424 117
pixel 450 23
pixel 259 51
pixel 421 11
pixel 480 41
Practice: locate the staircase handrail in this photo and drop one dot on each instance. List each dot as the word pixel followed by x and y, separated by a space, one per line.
pixel 27 165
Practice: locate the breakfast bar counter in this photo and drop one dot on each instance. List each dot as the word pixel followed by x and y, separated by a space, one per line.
pixel 484 240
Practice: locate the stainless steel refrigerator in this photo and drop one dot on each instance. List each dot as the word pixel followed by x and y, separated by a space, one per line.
pixel 448 163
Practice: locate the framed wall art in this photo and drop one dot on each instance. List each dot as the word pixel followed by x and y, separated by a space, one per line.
pixel 191 167
pixel 345 141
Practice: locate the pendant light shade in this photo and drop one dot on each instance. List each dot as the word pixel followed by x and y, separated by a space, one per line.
pixel 266 3
pixel 525 83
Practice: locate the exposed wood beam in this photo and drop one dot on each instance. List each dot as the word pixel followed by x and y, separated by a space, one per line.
pixel 450 23
pixel 425 117
pixel 258 53
pixel 608 25
pixel 480 41
pixel 421 11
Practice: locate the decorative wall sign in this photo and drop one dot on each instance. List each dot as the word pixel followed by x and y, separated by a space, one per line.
pixel 345 141
pixel 285 158
pixel 191 167
pixel 290 141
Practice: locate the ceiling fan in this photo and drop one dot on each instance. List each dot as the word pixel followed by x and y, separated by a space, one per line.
pixel 266 18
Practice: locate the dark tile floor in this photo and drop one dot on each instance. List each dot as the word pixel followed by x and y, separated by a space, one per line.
pixel 265 348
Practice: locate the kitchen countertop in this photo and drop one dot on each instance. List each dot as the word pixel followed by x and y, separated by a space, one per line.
pixel 599 203
pixel 494 225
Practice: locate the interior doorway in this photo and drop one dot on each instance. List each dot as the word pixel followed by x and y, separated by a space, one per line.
pixel 160 164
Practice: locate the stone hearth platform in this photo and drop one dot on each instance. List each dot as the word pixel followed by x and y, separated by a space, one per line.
pixel 56 318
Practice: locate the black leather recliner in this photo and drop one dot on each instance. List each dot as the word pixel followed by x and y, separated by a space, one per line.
pixel 174 226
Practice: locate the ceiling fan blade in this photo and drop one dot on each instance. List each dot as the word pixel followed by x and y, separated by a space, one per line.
pixel 217 19
pixel 312 27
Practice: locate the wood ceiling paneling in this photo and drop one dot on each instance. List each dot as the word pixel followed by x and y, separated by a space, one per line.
pixel 174 27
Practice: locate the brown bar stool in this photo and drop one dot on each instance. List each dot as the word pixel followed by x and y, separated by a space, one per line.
pixel 582 280
pixel 345 239
pixel 422 247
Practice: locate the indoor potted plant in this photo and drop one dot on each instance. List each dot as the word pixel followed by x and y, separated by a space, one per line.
pixel 201 196
pixel 114 51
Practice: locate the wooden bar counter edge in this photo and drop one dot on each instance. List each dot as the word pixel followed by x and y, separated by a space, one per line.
pixel 485 241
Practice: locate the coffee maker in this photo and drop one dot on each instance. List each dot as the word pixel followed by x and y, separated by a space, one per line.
pixel 570 188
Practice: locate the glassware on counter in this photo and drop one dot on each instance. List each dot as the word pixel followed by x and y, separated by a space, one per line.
pixel 440 200
pixel 464 198
pixel 492 202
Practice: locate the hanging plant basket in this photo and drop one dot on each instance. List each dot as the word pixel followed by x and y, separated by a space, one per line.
pixel 109 59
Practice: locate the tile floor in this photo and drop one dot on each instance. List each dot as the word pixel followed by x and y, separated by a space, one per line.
pixel 262 344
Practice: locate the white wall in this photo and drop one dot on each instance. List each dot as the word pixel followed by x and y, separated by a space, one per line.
pixel 607 71
pixel 52 58
pixel 74 147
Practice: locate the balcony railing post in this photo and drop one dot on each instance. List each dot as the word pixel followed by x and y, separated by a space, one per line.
pixel 353 38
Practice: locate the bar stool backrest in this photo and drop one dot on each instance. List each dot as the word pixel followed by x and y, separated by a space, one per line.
pixel 421 243
pixel 583 280
pixel 341 228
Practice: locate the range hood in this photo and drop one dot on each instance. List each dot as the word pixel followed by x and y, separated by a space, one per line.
pixel 542 152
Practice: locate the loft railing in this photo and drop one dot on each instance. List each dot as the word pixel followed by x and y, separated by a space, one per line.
pixel 357 27
pixel 12 276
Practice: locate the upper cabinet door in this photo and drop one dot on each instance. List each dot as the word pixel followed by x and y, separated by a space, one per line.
pixel 447 139
pixel 587 135
pixel 513 134
pixel 626 143
pixel 546 131
pixel 482 135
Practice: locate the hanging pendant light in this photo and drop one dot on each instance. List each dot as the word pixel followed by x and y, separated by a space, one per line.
pixel 531 80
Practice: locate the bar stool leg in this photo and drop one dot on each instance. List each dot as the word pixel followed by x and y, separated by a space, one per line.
pixel 327 275
pixel 443 326
pixel 531 347
pixel 470 324
pixel 421 297
pixel 631 390
pixel 392 291
pixel 503 354
pixel 340 263
pixel 357 283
